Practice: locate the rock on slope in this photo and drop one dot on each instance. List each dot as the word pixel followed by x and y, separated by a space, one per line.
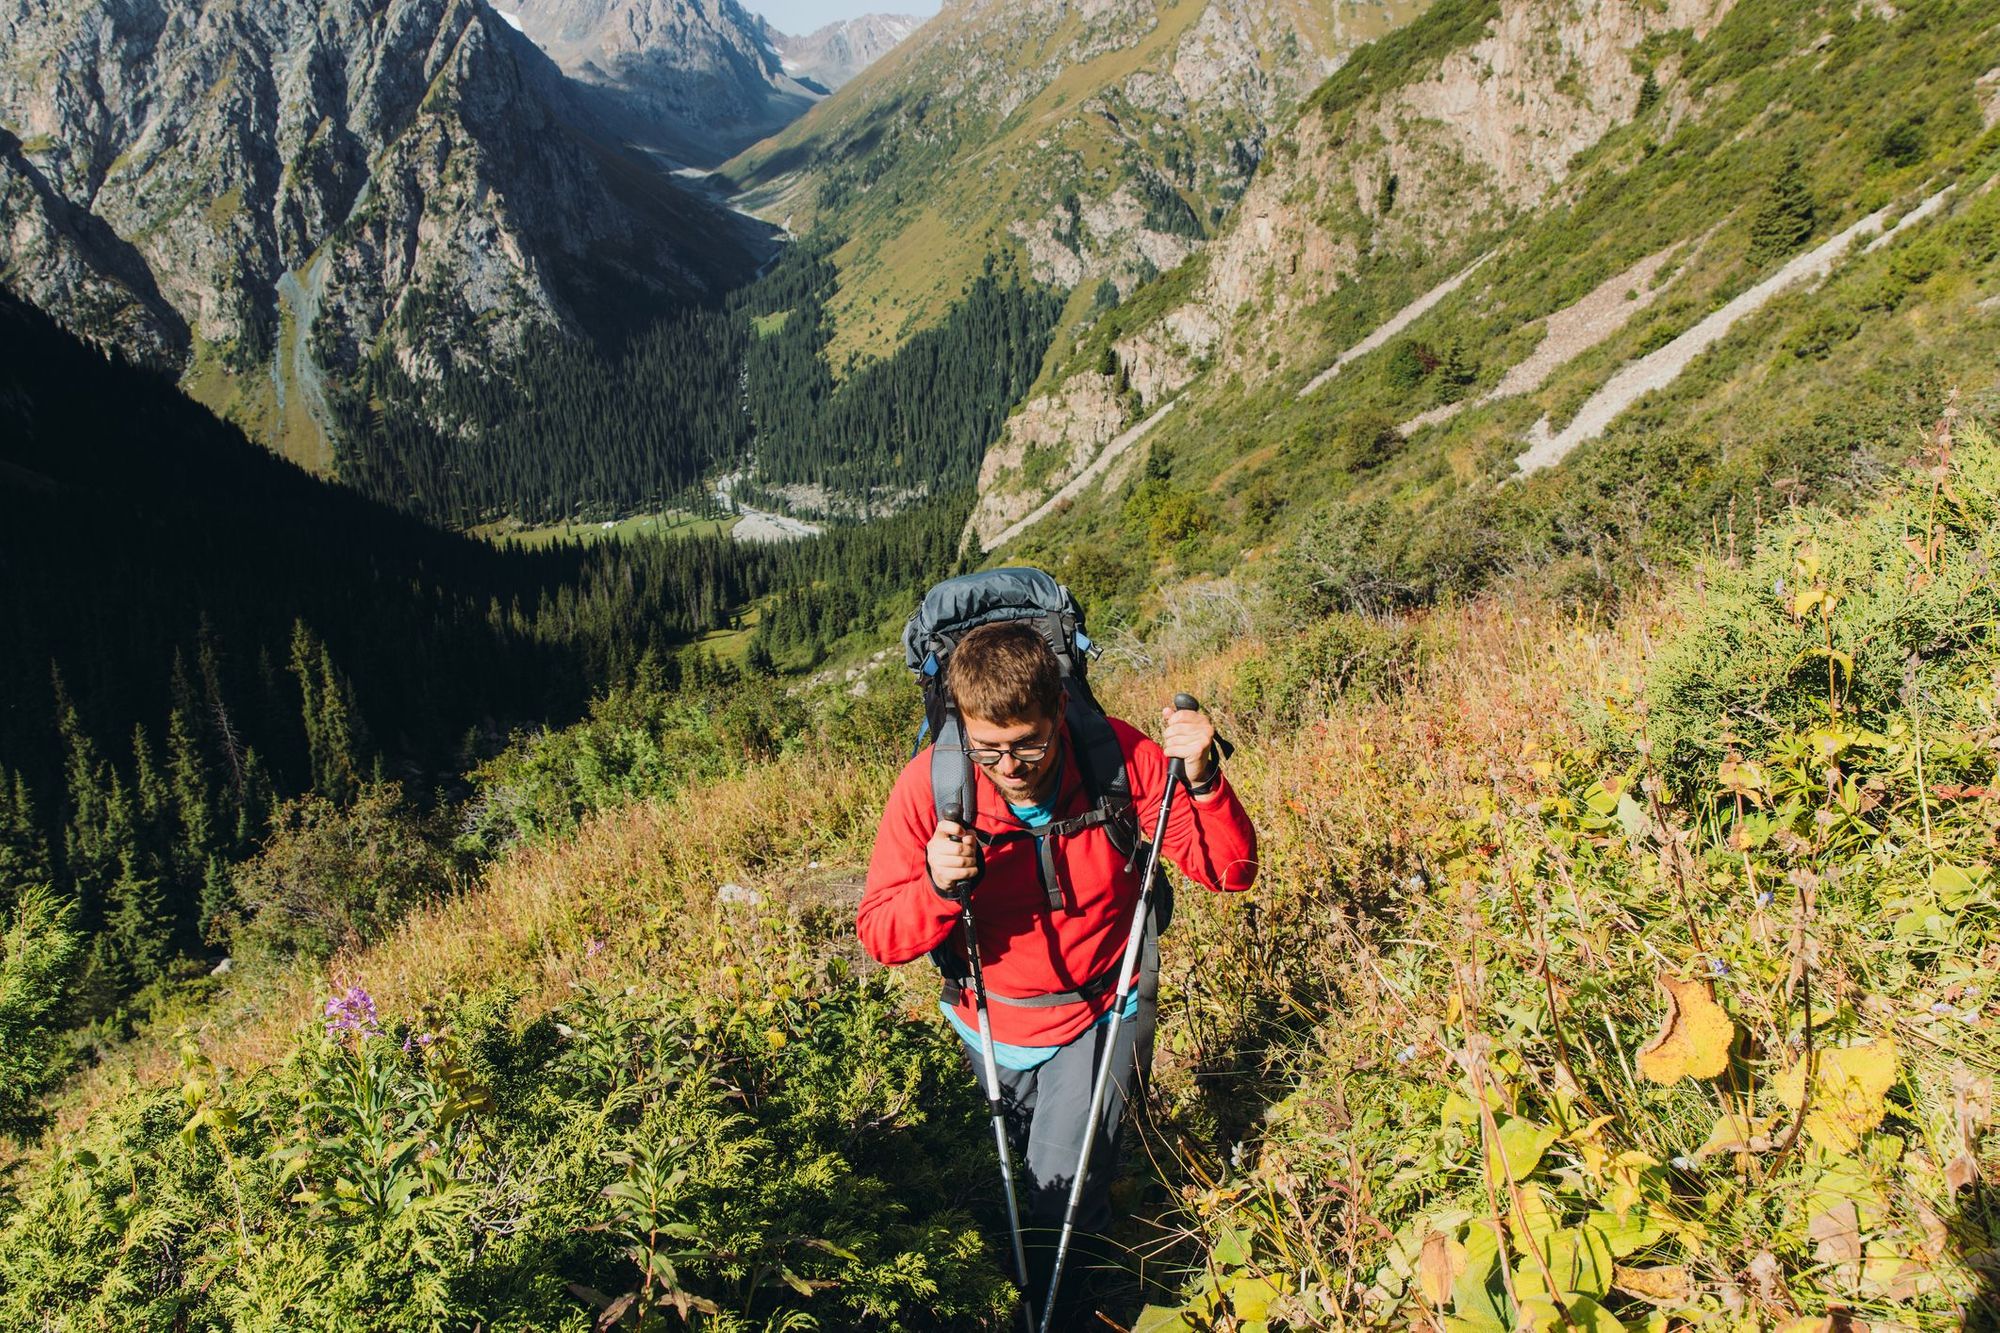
pixel 696 80
pixel 1092 141
pixel 831 56
pixel 168 170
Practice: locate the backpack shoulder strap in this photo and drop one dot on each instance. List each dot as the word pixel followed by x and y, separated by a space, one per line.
pixel 1101 765
pixel 951 768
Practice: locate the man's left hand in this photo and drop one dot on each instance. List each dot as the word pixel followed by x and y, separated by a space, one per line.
pixel 1186 733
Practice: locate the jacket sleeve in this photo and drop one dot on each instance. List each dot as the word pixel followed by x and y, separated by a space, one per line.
pixel 1212 842
pixel 901 916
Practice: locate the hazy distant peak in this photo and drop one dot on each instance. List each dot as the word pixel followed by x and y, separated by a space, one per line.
pixel 832 55
pixel 694 79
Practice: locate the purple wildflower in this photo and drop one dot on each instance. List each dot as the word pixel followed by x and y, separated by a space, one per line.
pixel 417 1041
pixel 1717 968
pixel 352 1013
pixel 593 948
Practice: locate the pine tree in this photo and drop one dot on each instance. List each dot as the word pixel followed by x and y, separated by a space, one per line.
pixel 328 716
pixel 92 826
pixel 1649 95
pixel 1784 218
pixel 24 851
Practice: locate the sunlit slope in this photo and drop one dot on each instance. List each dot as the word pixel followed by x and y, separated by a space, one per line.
pixel 1664 263
pixel 1106 143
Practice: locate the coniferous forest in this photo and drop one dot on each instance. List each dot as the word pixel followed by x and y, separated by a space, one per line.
pixel 567 432
pixel 199 633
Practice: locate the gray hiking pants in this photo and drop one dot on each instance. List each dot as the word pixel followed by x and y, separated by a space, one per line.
pixel 1046 1109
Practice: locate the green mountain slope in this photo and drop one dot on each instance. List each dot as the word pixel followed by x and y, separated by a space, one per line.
pixel 1710 257
pixel 1103 141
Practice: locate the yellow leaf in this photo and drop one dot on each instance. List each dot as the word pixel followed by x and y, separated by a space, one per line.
pixel 1848 1095
pixel 1739 1134
pixel 1439 1265
pixel 1694 1040
pixel 1668 1285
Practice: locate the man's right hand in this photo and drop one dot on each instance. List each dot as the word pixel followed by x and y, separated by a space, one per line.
pixel 953 858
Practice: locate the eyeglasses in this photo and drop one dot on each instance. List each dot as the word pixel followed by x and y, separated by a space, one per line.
pixel 1032 753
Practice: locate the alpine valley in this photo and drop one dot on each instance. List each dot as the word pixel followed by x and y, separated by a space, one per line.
pixel 464 469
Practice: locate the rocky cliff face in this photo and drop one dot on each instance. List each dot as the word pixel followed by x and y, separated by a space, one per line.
pixel 1443 152
pixel 206 183
pixel 831 56
pixel 1096 140
pixel 696 80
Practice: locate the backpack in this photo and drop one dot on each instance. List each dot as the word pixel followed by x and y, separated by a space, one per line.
pixel 947 613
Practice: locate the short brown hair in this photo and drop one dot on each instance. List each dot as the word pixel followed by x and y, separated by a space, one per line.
pixel 1004 672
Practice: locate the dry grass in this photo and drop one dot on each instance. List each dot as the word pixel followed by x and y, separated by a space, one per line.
pixel 528 927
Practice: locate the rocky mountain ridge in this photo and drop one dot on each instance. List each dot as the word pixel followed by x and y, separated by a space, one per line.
pixel 257 194
pixel 1097 142
pixel 830 56
pixel 695 80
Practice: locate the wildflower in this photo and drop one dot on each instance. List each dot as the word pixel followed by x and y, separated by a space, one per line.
pixel 417 1041
pixel 1941 1009
pixel 1407 1054
pixel 1717 968
pixel 352 1013
pixel 1684 1163
pixel 593 947
pixel 1764 898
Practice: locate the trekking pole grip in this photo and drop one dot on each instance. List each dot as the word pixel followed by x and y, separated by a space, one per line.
pixel 1187 703
pixel 956 815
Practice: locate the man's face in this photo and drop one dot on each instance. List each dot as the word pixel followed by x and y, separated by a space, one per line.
pixel 1022 780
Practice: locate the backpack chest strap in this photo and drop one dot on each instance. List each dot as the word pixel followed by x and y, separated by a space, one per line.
pixel 1110 820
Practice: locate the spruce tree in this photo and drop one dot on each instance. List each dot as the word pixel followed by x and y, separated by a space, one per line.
pixel 1784 218
pixel 1649 95
pixel 24 851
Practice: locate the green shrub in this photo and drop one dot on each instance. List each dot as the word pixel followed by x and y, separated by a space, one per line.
pixel 1292 681
pixel 1836 622
pixel 640 742
pixel 39 954
pixel 774 1151
pixel 332 876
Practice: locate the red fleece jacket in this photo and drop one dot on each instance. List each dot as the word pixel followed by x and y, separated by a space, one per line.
pixel 1027 947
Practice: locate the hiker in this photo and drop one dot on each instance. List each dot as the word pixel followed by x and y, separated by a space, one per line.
pixel 1053 910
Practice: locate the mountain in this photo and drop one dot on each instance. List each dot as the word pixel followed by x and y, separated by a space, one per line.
pixel 259 195
pixel 831 56
pixel 1533 286
pixel 694 80
pixel 1097 141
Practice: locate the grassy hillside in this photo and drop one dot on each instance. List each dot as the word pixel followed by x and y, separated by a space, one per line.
pixel 1385 467
pixel 645 1059
pixel 1090 145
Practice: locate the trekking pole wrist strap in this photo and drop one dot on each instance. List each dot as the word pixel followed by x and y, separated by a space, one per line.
pixel 1214 778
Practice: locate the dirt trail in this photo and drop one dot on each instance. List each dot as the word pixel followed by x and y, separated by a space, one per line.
pixel 1569 333
pixel 1401 320
pixel 1076 485
pixel 1660 368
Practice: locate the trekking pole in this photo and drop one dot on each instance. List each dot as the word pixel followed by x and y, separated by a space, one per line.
pixel 992 1072
pixel 1176 774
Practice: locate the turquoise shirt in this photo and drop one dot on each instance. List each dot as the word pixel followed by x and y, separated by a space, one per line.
pixel 1029 1057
